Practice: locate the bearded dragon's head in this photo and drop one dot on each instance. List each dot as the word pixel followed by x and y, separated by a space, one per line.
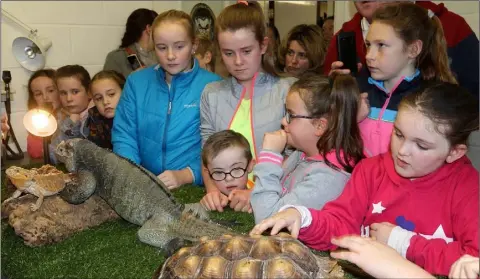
pixel 64 153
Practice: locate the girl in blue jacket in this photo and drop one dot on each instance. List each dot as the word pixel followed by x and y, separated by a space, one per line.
pixel 157 122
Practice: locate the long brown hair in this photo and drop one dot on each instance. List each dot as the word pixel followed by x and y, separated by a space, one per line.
pixel 335 99
pixel 50 73
pixel 310 37
pixel 244 15
pixel 451 107
pixel 411 23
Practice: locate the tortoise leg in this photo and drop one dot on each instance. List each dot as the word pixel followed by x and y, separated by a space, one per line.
pixel 175 244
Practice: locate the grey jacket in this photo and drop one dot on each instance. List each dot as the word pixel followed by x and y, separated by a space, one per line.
pixel 301 181
pixel 117 60
pixel 67 129
pixel 220 100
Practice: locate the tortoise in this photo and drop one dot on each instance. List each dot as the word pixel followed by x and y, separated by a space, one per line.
pixel 239 256
pixel 42 182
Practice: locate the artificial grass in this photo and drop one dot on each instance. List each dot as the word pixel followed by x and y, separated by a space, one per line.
pixel 110 250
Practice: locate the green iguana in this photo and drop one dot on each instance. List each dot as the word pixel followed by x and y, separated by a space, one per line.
pixel 135 194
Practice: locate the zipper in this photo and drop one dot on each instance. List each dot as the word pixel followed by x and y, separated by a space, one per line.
pixel 171 93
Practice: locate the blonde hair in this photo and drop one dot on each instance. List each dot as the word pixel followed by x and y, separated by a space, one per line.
pixel 176 16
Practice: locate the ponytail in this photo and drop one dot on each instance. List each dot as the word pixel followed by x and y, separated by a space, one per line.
pixel 336 100
pixel 433 60
pixel 245 14
pixel 137 21
pixel 411 23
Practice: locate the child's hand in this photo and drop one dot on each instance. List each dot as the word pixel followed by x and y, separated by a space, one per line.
pixel 465 267
pixel 381 231
pixel 171 179
pixel 289 218
pixel 4 121
pixel 363 108
pixel 240 200
pixel 375 258
pixel 337 68
pixel 275 141
pixel 214 200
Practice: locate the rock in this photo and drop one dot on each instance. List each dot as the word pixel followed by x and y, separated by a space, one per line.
pixel 56 219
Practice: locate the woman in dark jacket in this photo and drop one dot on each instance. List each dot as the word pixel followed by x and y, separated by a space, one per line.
pixel 137 41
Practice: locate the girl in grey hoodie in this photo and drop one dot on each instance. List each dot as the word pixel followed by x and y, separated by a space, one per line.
pixel 321 123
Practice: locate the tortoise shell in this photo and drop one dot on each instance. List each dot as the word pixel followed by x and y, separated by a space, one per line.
pixel 279 256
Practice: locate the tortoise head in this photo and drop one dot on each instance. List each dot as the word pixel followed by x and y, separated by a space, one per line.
pixel 65 153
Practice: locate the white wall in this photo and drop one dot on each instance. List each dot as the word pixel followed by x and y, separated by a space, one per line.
pixel 291 13
pixel 82 32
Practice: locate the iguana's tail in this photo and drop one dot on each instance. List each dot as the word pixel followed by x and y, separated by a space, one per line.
pixel 195 224
pixel 162 228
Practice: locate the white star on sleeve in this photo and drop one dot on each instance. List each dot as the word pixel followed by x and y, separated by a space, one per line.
pixel 377 208
pixel 439 233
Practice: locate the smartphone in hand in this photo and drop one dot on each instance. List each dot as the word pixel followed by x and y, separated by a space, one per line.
pixel 134 61
pixel 347 52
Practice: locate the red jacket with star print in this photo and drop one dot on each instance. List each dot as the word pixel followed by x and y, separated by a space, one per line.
pixel 436 215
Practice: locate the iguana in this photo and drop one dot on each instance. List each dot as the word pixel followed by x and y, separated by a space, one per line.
pixel 135 194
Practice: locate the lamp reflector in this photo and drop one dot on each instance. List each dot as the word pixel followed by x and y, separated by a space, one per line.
pixel 30 52
pixel 40 123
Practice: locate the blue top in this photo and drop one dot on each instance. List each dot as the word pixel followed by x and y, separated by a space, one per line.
pixel 159 127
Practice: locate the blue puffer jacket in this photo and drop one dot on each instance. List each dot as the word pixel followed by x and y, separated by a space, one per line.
pixel 158 127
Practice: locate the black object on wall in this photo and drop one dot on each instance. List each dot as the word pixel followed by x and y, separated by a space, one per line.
pixel 10 135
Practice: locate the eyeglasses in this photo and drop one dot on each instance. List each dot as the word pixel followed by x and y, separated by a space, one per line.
pixel 220 175
pixel 289 116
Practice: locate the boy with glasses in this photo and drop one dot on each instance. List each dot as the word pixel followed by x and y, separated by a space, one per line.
pixel 227 157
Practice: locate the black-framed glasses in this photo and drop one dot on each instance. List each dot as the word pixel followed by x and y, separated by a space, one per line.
pixel 220 175
pixel 289 116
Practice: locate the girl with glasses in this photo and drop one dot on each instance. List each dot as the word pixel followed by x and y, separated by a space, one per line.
pixel 321 124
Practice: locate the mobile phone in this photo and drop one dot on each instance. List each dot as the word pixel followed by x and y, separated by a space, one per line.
pixel 134 61
pixel 347 52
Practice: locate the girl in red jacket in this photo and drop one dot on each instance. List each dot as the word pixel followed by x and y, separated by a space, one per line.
pixel 421 198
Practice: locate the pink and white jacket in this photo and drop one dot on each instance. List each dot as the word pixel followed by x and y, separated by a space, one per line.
pixel 377 128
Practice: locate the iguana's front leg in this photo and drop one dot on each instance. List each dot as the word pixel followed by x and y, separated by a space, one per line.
pixel 15 195
pixel 155 231
pixel 196 210
pixel 38 203
pixel 78 193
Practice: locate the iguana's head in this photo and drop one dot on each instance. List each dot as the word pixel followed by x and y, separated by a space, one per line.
pixel 64 153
